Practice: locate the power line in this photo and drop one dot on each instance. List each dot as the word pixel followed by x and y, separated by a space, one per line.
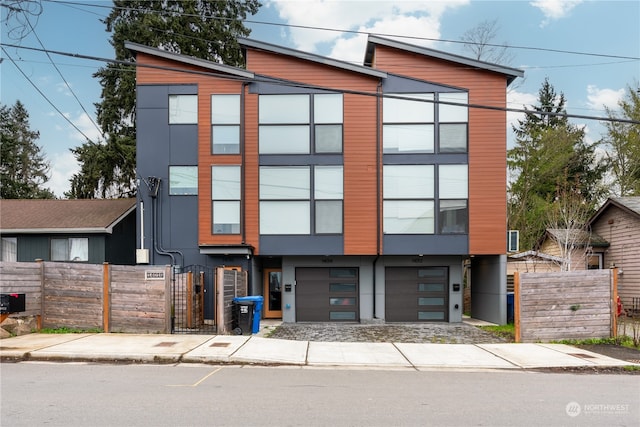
pixel 337 30
pixel 42 93
pixel 266 79
pixel 33 30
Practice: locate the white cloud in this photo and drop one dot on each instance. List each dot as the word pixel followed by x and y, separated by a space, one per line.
pixel 83 122
pixel 598 98
pixel 554 9
pixel 405 18
pixel 63 166
pixel 64 89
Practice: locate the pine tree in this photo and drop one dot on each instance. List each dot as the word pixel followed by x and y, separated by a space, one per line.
pixel 203 29
pixel 550 153
pixel 23 168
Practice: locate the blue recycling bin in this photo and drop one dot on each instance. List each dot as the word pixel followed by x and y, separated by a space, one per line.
pixel 510 307
pixel 258 302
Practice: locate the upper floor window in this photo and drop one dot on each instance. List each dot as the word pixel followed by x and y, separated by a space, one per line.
pixel 408 123
pixel 71 249
pixel 225 195
pixel 183 109
pixel 295 201
pixel 408 192
pixel 300 124
pixel 453 192
pixel 225 124
pixel 9 249
pixel 183 180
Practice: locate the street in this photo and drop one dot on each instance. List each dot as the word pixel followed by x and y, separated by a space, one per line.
pixel 80 394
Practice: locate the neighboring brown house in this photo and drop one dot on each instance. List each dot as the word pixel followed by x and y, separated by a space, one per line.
pixel 585 249
pixel 89 231
pixel 618 221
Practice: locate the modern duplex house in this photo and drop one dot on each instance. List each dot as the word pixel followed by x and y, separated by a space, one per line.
pixel 348 192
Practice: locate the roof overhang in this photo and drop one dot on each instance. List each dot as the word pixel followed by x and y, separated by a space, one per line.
pixel 226 250
pixel 90 230
pixel 253 44
pixel 510 73
pixel 202 63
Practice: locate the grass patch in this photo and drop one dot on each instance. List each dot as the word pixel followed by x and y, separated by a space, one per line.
pixel 623 340
pixel 631 368
pixel 507 331
pixel 65 330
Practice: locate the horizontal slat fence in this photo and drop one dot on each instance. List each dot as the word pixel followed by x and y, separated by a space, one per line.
pixel 112 298
pixel 564 305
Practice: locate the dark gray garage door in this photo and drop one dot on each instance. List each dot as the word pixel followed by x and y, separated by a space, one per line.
pixel 416 294
pixel 327 294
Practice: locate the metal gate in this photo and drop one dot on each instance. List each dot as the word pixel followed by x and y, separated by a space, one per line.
pixel 193 307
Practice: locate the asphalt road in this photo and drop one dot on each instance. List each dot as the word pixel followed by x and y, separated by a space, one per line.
pixel 69 394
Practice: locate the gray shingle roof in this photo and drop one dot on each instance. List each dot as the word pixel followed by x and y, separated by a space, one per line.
pixel 62 216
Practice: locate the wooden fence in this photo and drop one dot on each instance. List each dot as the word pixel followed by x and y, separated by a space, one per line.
pixel 565 305
pixel 113 298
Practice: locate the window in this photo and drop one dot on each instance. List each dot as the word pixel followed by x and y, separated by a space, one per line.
pixel 408 199
pixel 183 109
pixel 71 249
pixel 408 124
pixel 452 182
pixel 513 241
pixel 286 122
pixel 183 180
pixel 225 124
pixel 453 138
pixel 290 198
pixel 225 195
pixel 454 216
pixel 9 249
pixel 453 113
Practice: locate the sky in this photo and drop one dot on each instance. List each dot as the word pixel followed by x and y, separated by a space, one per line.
pixel 589 51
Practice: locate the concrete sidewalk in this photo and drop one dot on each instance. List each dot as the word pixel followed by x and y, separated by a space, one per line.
pixel 229 349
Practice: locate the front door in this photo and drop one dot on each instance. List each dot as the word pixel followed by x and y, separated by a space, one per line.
pixel 272 293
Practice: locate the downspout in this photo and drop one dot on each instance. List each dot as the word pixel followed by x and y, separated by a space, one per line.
pixel 378 196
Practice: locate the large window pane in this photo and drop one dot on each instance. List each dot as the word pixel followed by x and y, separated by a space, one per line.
pixel 225 183
pixel 329 217
pixel 226 217
pixel 183 180
pixel 73 249
pixel 453 182
pixel 408 181
pixel 454 113
pixel 225 109
pixel 284 109
pixel 408 111
pixel 284 139
pixel 453 138
pixel 454 216
pixel 328 139
pixel 408 217
pixel 327 108
pixel 183 109
pixel 285 182
pixel 9 249
pixel 284 218
pixel 225 139
pixel 328 182
pixel 408 138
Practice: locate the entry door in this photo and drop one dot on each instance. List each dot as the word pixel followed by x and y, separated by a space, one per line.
pixel 272 293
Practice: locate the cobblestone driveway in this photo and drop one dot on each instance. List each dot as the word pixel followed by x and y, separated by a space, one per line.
pixel 439 333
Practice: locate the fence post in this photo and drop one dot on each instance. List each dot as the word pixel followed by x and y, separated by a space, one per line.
pixel 219 300
pixel 516 305
pixel 40 318
pixel 190 300
pixel 106 297
pixel 614 302
pixel 168 296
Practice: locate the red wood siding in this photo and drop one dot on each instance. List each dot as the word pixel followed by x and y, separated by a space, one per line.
pixel 487 140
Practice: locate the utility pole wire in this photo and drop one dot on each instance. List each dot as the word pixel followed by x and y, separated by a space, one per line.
pixel 307 86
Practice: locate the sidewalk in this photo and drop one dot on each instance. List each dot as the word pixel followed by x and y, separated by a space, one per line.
pixel 233 349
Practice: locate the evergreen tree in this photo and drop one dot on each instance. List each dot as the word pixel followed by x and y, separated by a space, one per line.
pixel 23 168
pixel 623 142
pixel 549 154
pixel 200 28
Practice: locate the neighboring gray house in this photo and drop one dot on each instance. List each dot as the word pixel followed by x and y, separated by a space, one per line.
pixel 89 231
pixel 618 222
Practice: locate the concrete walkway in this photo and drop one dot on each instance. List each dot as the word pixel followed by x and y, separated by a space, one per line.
pixel 221 349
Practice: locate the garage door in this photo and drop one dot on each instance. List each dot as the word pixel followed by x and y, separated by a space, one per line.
pixel 416 294
pixel 327 294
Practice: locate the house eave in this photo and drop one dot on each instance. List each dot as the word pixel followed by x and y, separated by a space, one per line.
pixel 88 230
